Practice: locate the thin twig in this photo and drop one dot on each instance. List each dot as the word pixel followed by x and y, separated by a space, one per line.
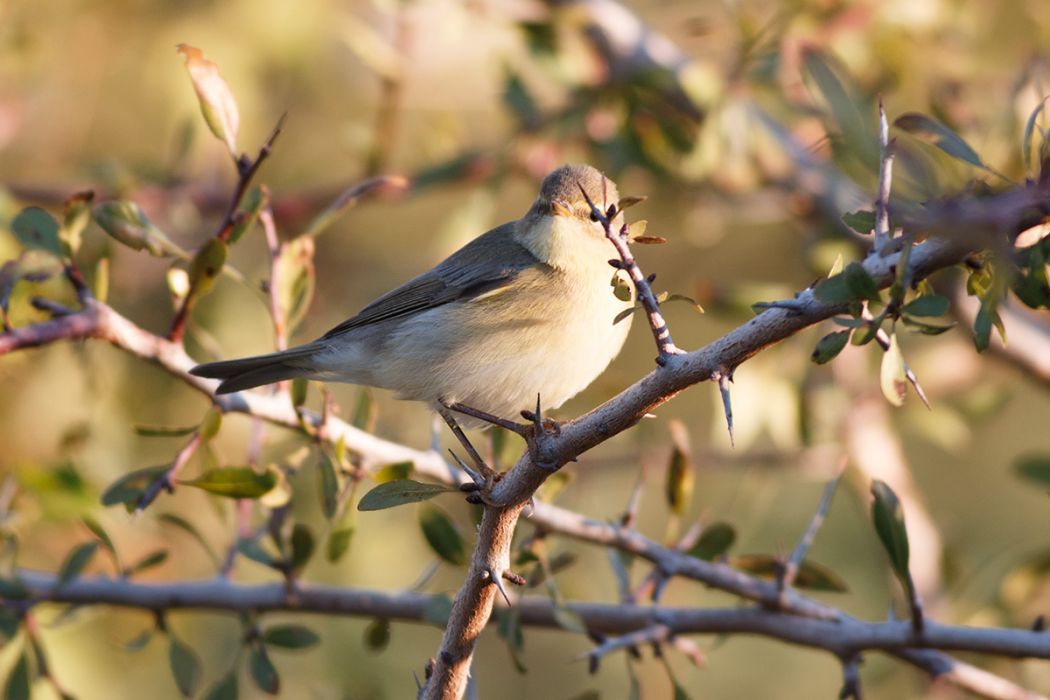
pixel 661 333
pixel 166 480
pixel 882 199
pixel 793 563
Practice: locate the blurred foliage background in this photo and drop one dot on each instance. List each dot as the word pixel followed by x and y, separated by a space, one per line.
pixel 476 101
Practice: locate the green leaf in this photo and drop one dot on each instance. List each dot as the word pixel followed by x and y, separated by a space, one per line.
pixel 253 549
pixel 13 589
pixel 98 531
pixel 892 377
pixel 185 667
pixel 224 689
pixel 987 316
pixel 517 99
pixel 508 625
pixel 829 347
pixel 18 686
pixel 76 214
pixel 290 637
pixel 842 102
pixel 327 484
pixel 715 540
pixel 36 229
pixel 124 221
pixel 377 634
pixel 217 103
pixel 339 543
pixel 302 546
pixel 211 424
pixel 235 482
pixel 263 671
pixel 129 488
pixel 888 518
pixel 365 410
pixel 679 486
pixel 926 328
pixel 163 431
pixel 398 493
pixel 75 563
pixel 442 535
pixel 139 641
pixel 398 471
pixel 1029 127
pixel 852 284
pixel 621 289
pixel 928 305
pixel 932 131
pixel 862 221
pixel 9 625
pixel 151 560
pixel 817 577
pixel 296 279
pixel 187 527
pixel 300 387
pixel 1035 467
pixel 248 212
pixel 206 266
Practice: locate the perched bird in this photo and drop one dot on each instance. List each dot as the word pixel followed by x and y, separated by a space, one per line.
pixel 527 308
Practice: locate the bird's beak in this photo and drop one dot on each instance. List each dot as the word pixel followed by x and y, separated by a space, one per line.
pixel 559 208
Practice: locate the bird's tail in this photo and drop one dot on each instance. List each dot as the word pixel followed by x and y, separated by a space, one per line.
pixel 248 372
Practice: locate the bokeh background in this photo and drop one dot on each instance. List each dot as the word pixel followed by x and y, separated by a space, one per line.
pixel 476 101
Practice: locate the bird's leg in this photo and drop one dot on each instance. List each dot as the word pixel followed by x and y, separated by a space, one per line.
pixel 488 475
pixel 510 425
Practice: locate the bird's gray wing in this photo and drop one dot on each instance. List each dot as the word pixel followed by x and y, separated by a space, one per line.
pixel 471 271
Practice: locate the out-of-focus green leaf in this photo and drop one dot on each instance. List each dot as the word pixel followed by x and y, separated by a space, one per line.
pixel 442 535
pixel 926 328
pixel 10 622
pixel 933 131
pixel 399 471
pixel 1029 128
pixel 187 527
pixel 255 550
pixel 892 377
pixel 715 540
pixel 302 541
pixel 829 347
pixel 679 485
pixel 568 620
pixel 1035 467
pixel 217 103
pixel 224 689
pixel 76 214
pixel 300 388
pixel 18 686
pixel 842 101
pixel 327 484
pixel 264 673
pixel 185 667
pixel 888 518
pixel 151 560
pixel 508 625
pixel 810 575
pixel 517 99
pixel 248 212
pixel 98 531
pixel 987 317
pixel 163 431
pixel 290 637
pixel 129 488
pixel 235 482
pixel 77 560
pixel 295 279
pixel 365 410
pixel 211 424
pixel 861 221
pixel 35 228
pixel 338 543
pixel 139 641
pixel 377 634
pixel 125 221
pixel 398 493
pixel 206 266
pixel 929 305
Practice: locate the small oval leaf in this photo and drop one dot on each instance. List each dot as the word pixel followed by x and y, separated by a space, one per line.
pixel 398 493
pixel 442 535
pixel 235 482
pixel 290 637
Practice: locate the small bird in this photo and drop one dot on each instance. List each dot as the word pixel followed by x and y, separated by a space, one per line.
pixel 525 309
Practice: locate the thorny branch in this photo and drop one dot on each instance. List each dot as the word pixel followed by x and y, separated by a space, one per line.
pixel 473 606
